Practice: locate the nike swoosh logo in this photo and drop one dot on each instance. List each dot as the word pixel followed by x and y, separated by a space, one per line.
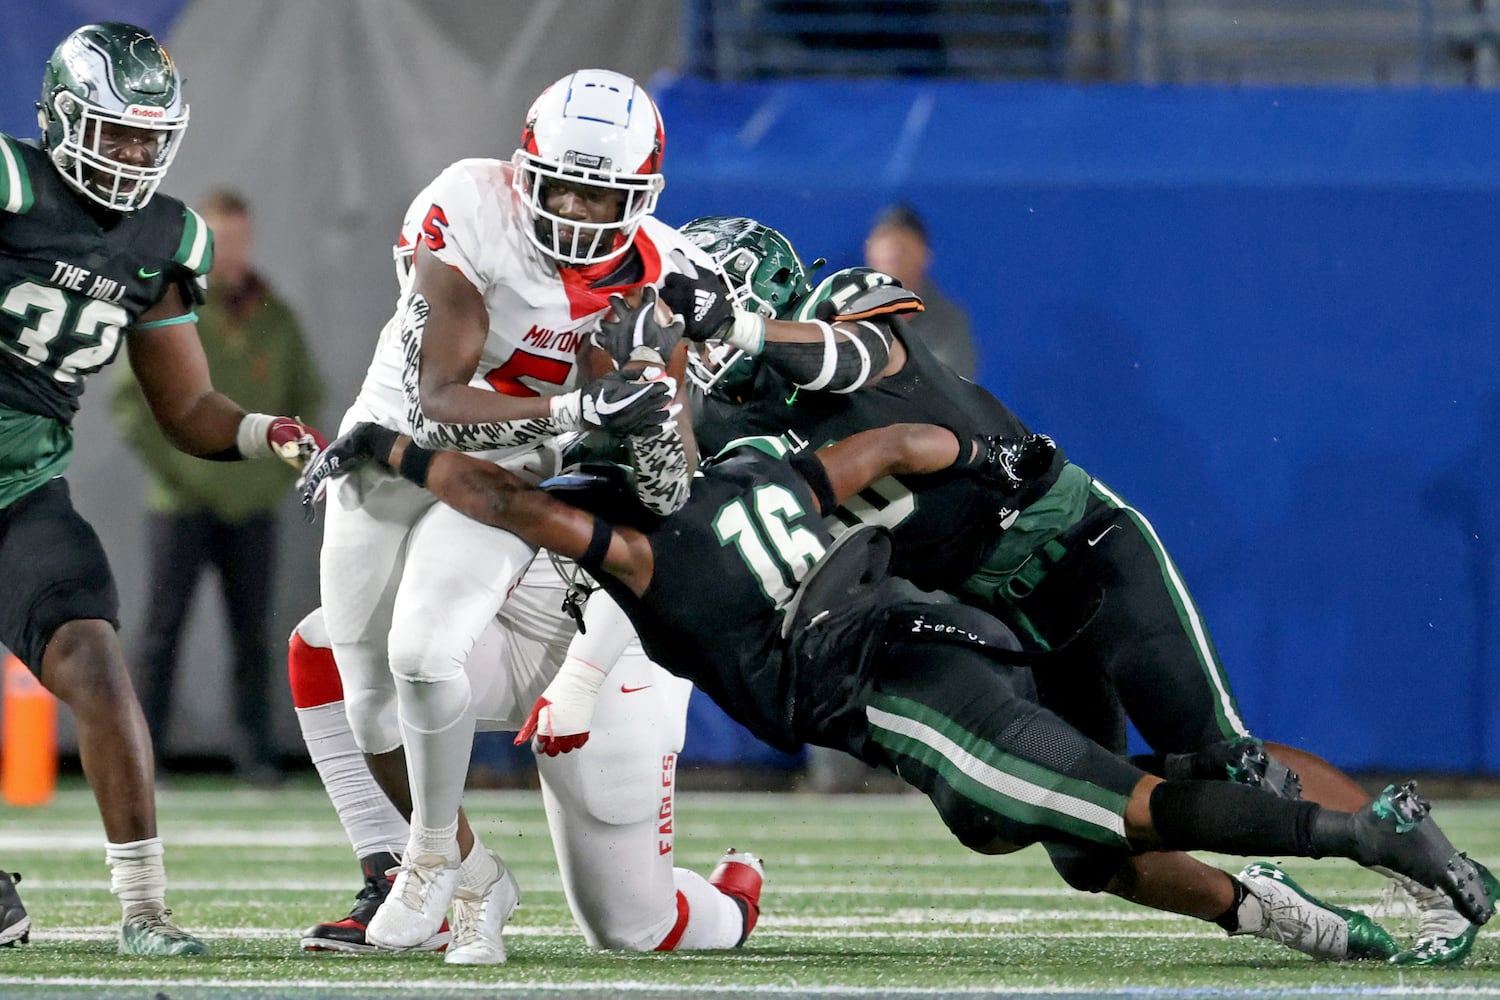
pixel 631 690
pixel 606 407
pixel 1100 537
pixel 144 274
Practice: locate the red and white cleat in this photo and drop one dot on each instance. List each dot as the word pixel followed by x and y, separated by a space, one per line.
pixel 740 876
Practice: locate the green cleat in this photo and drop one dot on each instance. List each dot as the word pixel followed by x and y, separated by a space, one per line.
pixel 1434 945
pixel 1294 917
pixel 151 932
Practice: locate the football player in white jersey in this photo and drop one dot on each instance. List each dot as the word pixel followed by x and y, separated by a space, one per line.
pixel 512 265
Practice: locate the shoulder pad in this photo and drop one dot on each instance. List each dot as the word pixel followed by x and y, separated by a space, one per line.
pixel 16 193
pixel 857 293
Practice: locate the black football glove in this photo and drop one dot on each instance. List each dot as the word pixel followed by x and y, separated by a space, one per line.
pixel 635 333
pixel 365 443
pixel 622 406
pixel 702 300
pixel 1004 463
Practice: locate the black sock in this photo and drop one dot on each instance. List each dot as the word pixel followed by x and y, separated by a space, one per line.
pixel 1331 833
pixel 1234 819
pixel 377 864
pixel 1230 918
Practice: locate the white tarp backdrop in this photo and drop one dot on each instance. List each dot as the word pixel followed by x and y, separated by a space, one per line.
pixel 328 117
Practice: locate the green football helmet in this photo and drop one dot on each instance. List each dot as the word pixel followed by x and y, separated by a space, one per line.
pixel 103 78
pixel 764 275
pixel 762 269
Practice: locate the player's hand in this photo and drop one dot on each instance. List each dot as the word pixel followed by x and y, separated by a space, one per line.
pixel 1007 464
pixel 552 729
pixel 294 442
pixel 860 293
pixel 701 299
pixel 638 333
pixel 622 405
pixel 365 443
pixel 560 719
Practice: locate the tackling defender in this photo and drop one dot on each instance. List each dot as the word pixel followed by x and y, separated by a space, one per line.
pixel 91 256
pixel 1143 649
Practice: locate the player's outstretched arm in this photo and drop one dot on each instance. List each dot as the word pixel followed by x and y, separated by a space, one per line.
pixel 861 459
pixel 494 496
pixel 169 364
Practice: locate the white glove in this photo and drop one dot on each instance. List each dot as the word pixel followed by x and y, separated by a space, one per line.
pixel 561 717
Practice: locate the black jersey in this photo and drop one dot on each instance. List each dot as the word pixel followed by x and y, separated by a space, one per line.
pixel 727 568
pixel 943 524
pixel 73 276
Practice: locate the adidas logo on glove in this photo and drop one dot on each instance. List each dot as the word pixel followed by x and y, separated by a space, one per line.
pixel 703 301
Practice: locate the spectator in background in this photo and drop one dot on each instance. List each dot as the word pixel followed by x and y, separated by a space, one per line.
pixel 209 514
pixel 898 245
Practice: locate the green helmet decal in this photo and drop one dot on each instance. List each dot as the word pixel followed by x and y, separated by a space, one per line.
pixel 103 81
pixel 762 269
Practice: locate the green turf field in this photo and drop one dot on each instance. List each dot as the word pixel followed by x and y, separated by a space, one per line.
pixel 865 896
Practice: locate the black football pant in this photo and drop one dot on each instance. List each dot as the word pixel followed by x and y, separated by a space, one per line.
pixel 1128 638
pixel 964 729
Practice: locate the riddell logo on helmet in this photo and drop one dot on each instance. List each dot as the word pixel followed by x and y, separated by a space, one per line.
pixel 588 161
pixel 144 111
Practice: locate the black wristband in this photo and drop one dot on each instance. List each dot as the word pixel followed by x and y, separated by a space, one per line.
pixel 967 459
pixel 414 463
pixel 811 468
pixel 592 559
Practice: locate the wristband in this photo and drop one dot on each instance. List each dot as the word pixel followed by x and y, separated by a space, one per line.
pixel 748 332
pixel 592 559
pixel 250 438
pixel 811 468
pixel 414 463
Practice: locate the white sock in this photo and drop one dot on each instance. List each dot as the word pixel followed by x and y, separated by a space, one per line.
pixel 434 840
pixel 138 873
pixel 480 869
pixel 371 822
pixel 437 727
pixel 714 919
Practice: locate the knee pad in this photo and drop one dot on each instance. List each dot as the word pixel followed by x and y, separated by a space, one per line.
pixel 311 671
pixel 424 655
pixel 313 629
pixel 1085 870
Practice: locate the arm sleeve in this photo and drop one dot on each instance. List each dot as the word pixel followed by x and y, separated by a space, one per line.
pixel 455 437
pixel 662 478
pixel 850 356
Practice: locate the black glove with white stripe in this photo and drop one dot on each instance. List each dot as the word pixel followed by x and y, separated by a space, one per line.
pixel 702 300
pixel 622 406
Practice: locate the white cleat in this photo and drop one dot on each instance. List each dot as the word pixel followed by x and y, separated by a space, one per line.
pixel 419 898
pixel 1292 916
pixel 478 919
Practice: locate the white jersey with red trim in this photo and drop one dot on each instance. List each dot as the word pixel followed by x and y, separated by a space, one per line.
pixel 472 219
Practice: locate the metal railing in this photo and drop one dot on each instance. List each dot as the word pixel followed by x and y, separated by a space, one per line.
pixel 1437 43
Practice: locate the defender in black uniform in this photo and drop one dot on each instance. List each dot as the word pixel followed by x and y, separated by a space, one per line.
pixel 802 638
pixel 88 259
pixel 1067 564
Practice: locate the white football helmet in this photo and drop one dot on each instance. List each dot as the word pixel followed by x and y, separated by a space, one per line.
pixel 596 128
